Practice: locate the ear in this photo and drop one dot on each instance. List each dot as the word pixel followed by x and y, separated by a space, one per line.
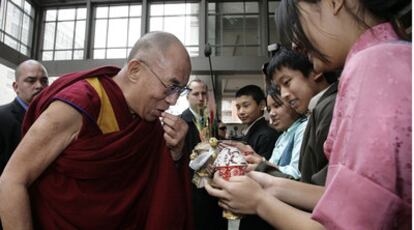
pixel 134 67
pixel 15 86
pixel 262 105
pixel 336 5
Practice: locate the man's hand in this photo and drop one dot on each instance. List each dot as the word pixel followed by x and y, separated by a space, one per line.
pixel 175 130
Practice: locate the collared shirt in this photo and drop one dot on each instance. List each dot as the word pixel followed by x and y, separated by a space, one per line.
pixel 290 140
pixel 196 115
pixel 22 103
pixel 246 130
pixel 314 100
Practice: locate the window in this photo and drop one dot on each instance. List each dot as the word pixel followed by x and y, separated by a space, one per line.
pixel 273 32
pixel 180 19
pixel 117 28
pixel 16 20
pixel 64 34
pixel 234 28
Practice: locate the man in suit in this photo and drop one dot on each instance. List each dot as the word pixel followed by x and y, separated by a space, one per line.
pixel 30 79
pixel 197 100
pixel 250 105
pixel 206 212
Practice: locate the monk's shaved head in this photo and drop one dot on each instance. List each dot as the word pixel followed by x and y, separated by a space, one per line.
pixel 153 45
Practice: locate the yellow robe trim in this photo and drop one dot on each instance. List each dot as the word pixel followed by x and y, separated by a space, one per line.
pixel 106 120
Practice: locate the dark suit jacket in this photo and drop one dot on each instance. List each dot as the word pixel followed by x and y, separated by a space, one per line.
pixel 11 118
pixel 192 138
pixel 313 163
pixel 206 212
pixel 262 138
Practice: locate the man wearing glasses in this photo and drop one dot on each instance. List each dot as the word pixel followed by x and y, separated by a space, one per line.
pixel 99 156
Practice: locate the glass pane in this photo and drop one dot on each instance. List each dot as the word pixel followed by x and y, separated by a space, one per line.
pixel 26 30
pixel 66 14
pixel 191 31
pixel 273 33
pixel 117 33
pixel 172 26
pixel 80 34
pixel 135 10
pixel 47 56
pixel 100 33
pixel 231 7
pixel 272 6
pixel 64 35
pixel 156 9
pixel 63 55
pixel 233 30
pixel 174 9
pixel 251 51
pixel 81 14
pixel 118 11
pixel 49 38
pixel 212 37
pixel 11 42
pixel 231 51
pixel 14 20
pixel 134 31
pixel 27 8
pixel 102 12
pixel 78 55
pixel 211 8
pixel 192 8
pixel 18 2
pixel 116 53
pixel 50 15
pixel 252 7
pixel 23 50
pixel 192 51
pixel 252 33
pixel 99 54
pixel 156 24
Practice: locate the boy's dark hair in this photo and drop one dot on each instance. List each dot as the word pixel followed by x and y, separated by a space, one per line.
pixel 252 90
pixel 285 57
pixel 293 60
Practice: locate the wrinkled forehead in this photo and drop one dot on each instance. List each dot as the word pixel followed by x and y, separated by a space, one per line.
pixel 176 70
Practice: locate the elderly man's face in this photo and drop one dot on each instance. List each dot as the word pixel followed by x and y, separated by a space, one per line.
pixel 31 81
pixel 153 95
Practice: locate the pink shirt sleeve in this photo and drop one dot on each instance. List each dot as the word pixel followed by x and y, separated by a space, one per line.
pixel 369 144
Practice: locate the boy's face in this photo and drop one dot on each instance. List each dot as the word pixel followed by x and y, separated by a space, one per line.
pixel 295 88
pixel 248 110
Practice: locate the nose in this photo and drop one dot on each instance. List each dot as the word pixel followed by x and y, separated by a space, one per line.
pixel 38 84
pixel 285 94
pixel 172 98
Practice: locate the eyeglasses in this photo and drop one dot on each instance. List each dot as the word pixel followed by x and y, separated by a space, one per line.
pixel 223 128
pixel 169 89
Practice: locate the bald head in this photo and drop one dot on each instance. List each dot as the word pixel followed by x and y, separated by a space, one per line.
pixel 30 79
pixel 157 71
pixel 155 44
pixel 27 65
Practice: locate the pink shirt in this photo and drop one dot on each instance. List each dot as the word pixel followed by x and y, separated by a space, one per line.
pixel 369 142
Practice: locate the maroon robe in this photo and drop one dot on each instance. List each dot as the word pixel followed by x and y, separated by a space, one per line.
pixel 118 180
